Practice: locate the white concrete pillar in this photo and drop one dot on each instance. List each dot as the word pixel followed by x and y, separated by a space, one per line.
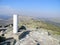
pixel 15 27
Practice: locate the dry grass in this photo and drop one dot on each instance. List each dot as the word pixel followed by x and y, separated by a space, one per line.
pixel 40 24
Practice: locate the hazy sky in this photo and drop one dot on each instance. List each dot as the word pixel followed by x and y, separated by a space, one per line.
pixel 39 8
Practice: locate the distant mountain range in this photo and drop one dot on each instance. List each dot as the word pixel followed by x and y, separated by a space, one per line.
pixel 5 17
pixel 53 21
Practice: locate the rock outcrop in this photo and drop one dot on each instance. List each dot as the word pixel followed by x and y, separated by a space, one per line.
pixel 37 38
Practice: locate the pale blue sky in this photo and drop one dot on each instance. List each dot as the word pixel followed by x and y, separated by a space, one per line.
pixel 39 8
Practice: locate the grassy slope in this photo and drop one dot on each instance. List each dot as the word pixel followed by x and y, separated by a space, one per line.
pixel 40 24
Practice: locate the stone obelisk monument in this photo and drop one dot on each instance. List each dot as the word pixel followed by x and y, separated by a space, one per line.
pixel 15 27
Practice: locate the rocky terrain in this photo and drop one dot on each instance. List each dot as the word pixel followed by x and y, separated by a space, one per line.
pixel 31 31
pixel 29 37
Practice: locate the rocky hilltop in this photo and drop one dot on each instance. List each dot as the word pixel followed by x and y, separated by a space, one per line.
pixel 38 38
pixel 30 37
pixel 31 31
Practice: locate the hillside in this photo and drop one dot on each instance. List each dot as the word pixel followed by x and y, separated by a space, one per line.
pixel 37 32
pixel 33 22
pixel 39 23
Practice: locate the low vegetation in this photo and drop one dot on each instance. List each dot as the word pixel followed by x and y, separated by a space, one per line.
pixel 40 24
